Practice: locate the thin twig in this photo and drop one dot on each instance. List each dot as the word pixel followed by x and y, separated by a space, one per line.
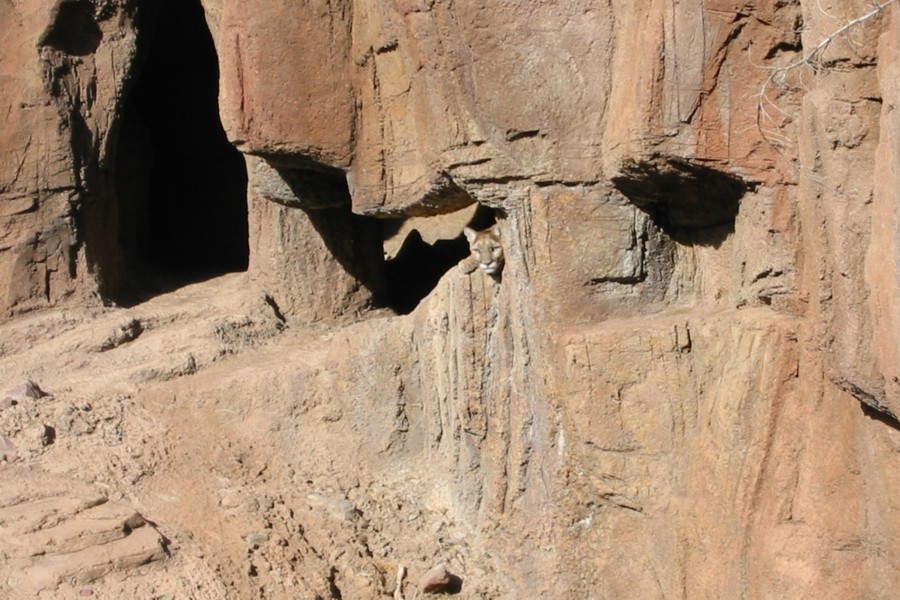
pixel 812 58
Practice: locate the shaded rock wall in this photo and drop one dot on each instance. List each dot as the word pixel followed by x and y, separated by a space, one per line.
pixel 63 67
pixel 687 382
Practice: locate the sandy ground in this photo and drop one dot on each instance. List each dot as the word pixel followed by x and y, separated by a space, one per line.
pixel 181 449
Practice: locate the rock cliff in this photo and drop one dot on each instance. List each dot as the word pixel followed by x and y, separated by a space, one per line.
pixel 228 249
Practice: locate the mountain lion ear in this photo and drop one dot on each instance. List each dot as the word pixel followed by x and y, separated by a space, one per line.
pixel 496 229
pixel 469 233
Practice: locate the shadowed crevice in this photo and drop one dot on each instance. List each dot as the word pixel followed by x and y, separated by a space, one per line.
pixel 73 29
pixel 311 187
pixel 354 241
pixel 418 266
pixel 879 416
pixel 872 404
pixel 692 203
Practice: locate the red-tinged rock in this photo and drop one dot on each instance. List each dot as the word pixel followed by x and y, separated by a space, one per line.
pixel 438 579
pixel 8 450
pixel 26 389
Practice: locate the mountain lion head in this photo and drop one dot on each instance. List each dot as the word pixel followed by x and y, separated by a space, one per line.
pixel 487 253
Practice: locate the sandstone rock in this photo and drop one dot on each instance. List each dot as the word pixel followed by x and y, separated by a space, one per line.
pixel 439 580
pixel 26 389
pixel 71 537
pixel 125 332
pixel 8 450
pixel 298 188
pixel 287 122
pixel 341 248
pixel 687 383
pixel 46 434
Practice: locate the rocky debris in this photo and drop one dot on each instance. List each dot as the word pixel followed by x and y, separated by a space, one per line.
pixel 694 197
pixel 238 500
pixel 28 389
pixel 34 422
pixel 36 435
pixel 339 508
pixel 73 536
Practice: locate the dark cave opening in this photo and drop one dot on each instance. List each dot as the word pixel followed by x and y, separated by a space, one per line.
pixel 181 187
pixel 415 267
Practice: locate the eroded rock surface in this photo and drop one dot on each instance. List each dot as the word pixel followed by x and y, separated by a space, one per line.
pixel 685 384
pixel 59 531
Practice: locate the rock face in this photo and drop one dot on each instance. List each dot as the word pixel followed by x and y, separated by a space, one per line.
pixel 687 383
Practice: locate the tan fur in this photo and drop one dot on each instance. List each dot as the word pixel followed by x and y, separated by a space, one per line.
pixel 487 252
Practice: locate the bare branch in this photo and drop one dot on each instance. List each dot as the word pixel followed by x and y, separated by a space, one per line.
pixel 813 55
pixel 812 58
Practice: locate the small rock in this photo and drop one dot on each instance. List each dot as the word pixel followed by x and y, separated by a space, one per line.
pixel 256 539
pixel 332 415
pixel 8 450
pixel 453 541
pixel 127 331
pixel 438 579
pixel 47 434
pixel 238 500
pixel 340 508
pixel 26 389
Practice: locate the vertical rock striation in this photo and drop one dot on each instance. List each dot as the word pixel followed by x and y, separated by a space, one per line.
pixel 687 383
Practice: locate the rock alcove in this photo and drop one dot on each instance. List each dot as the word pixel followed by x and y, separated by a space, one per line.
pixel 692 203
pixel 420 250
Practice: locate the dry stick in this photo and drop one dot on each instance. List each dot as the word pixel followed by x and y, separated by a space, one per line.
pixel 810 58
pixel 398 591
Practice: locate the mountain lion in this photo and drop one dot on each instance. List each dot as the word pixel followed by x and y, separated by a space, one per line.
pixel 487 253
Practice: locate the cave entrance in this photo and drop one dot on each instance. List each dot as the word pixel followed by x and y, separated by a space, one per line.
pixel 181 186
pixel 418 251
